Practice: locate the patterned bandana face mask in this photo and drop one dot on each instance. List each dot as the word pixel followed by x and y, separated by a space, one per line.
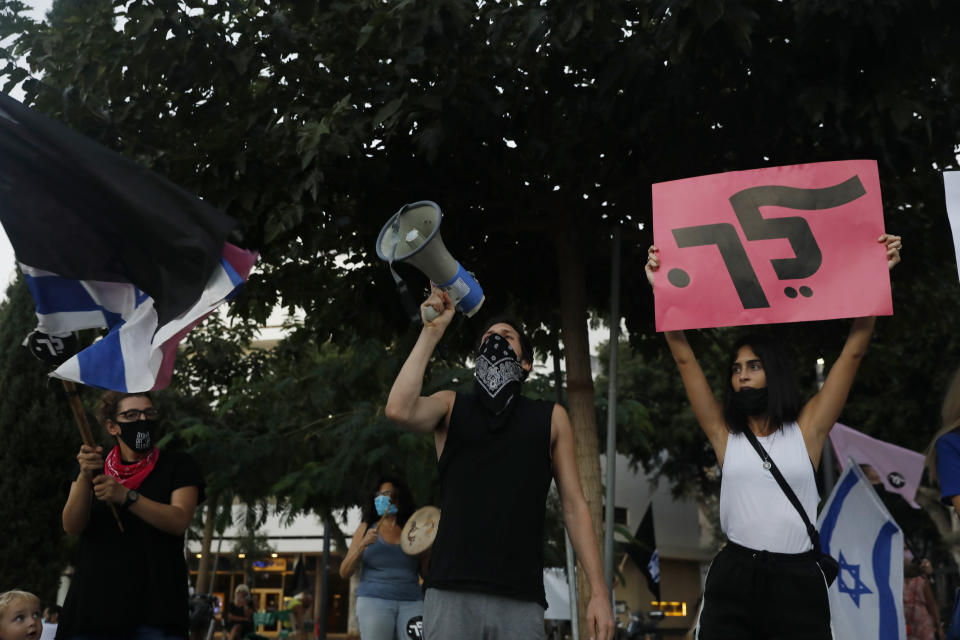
pixel 498 374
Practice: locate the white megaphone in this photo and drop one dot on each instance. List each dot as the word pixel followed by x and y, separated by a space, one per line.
pixel 412 235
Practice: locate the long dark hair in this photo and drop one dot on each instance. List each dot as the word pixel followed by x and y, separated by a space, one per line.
pixel 783 400
pixel 401 497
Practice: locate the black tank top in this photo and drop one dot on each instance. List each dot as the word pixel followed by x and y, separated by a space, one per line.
pixel 494 478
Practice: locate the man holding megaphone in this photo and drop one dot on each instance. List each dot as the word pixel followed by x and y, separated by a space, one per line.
pixel 497 452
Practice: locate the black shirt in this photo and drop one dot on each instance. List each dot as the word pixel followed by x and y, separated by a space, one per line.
pixel 494 477
pixel 139 576
pixel 246 626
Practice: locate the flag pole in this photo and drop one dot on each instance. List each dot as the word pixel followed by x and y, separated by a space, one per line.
pixel 614 347
pixel 80 416
pixel 828 467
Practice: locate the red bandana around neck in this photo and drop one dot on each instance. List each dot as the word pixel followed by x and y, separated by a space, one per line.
pixel 130 475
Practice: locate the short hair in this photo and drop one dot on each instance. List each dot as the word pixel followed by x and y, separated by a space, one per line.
pixel 241 588
pixel 526 347
pixel 783 399
pixel 110 400
pixel 402 498
pixel 7 598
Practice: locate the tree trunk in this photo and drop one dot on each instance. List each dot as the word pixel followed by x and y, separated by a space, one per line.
pixel 353 627
pixel 580 394
pixel 203 571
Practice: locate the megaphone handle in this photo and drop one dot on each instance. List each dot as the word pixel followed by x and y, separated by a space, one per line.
pixel 405 297
pixel 430 314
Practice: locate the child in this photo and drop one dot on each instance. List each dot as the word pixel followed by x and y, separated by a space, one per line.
pixel 20 617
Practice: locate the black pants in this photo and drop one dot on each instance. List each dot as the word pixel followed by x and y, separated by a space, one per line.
pixel 759 595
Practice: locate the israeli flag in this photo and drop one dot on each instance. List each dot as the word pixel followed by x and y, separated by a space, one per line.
pixel 137 353
pixel 866 599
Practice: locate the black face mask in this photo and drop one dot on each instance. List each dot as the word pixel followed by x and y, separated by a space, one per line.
pixel 498 374
pixel 752 402
pixel 138 435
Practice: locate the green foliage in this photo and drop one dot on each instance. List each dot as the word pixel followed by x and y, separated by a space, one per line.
pixel 656 428
pixel 305 427
pixel 523 120
pixel 38 440
pixel 312 123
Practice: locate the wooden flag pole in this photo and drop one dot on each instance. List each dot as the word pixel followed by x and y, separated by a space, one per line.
pixel 80 416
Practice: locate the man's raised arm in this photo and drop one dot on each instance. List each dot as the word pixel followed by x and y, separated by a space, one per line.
pixel 405 405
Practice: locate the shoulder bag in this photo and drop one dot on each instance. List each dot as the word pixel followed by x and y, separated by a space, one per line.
pixel 828 564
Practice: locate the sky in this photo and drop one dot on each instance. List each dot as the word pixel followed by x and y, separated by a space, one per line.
pixel 7 264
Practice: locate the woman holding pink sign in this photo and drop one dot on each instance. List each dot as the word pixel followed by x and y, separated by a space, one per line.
pixel 770 580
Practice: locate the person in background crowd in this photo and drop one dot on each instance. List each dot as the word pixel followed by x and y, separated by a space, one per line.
pixel 943 454
pixel 299 606
pixel 389 595
pixel 919 605
pixel 239 614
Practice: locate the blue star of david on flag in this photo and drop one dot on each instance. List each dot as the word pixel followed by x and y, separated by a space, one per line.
pixel 858 588
pixel 866 599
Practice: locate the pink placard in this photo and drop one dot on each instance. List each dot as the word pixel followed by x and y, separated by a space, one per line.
pixel 782 244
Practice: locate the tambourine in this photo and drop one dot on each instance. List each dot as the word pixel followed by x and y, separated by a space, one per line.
pixel 420 531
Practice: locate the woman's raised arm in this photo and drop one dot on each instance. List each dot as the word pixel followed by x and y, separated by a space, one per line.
pixel 705 406
pixel 822 411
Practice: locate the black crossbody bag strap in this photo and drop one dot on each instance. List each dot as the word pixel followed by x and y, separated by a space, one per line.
pixel 787 490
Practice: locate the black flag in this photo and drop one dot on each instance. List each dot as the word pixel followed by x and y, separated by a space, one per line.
pixel 77 209
pixel 298 582
pixel 644 554
pixel 104 243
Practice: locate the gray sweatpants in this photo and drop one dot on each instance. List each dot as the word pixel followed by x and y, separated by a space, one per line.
pixel 465 615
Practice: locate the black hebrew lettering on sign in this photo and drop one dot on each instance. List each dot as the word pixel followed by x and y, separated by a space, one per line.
pixel 735 259
pixel 746 204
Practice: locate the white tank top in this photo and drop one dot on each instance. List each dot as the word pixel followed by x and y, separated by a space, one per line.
pixel 754 512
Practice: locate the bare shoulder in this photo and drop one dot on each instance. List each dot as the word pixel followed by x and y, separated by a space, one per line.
pixel 559 423
pixel 448 398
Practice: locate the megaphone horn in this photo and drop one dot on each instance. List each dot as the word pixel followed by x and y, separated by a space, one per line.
pixel 412 235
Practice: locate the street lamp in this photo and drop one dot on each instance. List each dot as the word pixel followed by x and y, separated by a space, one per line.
pixel 826 458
